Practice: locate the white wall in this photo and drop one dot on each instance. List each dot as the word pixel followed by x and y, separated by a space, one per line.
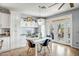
pixel 75 32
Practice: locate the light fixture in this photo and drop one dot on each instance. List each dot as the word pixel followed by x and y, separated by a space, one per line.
pixel 29 19
pixel 42 7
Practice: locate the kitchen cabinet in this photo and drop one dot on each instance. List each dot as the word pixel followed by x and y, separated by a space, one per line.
pixel 5 45
pixel 13 44
pixel 22 41
pixel 18 42
pixel 4 20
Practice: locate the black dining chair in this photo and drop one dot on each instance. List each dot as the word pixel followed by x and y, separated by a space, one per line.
pixel 30 45
pixel 45 45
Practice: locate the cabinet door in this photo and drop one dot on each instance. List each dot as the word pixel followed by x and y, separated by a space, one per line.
pixel 5 21
pixel 5 45
pixel 22 41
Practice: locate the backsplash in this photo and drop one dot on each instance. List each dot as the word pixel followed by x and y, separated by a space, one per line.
pixel 4 32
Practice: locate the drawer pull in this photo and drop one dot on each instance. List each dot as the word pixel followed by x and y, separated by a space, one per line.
pixel 1 43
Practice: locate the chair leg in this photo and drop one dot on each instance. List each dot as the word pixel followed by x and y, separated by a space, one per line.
pixel 41 49
pixel 48 49
pixel 44 51
pixel 28 51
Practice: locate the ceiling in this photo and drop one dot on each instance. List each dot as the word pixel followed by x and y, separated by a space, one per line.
pixel 33 9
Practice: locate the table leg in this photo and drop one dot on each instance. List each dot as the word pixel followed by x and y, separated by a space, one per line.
pixel 36 50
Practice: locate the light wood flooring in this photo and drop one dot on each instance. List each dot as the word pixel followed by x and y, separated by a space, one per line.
pixel 64 50
pixel 19 52
pixel 55 50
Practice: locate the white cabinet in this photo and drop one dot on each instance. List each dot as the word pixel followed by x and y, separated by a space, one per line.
pixel 22 41
pixel 4 20
pixel 18 42
pixel 13 44
pixel 5 45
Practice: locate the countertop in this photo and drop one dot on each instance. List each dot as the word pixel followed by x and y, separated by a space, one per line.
pixel 3 35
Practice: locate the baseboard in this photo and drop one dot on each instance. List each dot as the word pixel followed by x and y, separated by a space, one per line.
pixel 61 43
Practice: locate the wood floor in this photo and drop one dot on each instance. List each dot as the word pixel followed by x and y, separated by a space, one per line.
pixel 55 50
pixel 19 52
pixel 64 50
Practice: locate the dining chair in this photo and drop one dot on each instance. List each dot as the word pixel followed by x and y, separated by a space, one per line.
pixel 30 46
pixel 45 45
pixel 1 43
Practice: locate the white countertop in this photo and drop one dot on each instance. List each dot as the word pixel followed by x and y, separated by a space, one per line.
pixel 4 37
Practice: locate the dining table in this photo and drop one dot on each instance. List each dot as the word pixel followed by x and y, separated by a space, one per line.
pixel 38 41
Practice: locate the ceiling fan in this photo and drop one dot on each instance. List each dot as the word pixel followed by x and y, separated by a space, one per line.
pixel 71 5
pixel 44 7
